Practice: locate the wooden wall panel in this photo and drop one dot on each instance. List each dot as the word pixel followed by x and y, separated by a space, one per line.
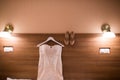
pixel 81 61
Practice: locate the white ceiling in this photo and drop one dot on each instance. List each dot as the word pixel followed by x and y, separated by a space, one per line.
pixel 59 16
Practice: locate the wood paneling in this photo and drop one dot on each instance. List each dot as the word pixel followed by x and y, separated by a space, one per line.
pixel 81 61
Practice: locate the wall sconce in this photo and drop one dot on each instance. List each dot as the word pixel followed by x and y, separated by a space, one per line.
pixel 106 31
pixel 8 28
pixel 7 31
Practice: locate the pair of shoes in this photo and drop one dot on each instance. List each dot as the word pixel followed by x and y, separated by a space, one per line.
pixel 67 37
pixel 72 38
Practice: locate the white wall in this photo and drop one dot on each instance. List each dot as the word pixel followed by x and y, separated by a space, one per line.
pixel 58 16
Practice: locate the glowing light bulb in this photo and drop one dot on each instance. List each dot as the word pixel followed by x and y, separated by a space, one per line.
pixel 5 34
pixel 109 35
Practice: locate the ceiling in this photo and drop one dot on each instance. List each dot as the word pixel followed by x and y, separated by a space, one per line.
pixel 59 16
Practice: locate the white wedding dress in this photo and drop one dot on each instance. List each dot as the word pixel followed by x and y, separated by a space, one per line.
pixel 50 64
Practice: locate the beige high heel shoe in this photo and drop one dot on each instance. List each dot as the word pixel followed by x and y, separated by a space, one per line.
pixel 72 38
pixel 67 38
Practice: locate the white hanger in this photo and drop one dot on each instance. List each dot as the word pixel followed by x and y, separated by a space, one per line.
pixel 48 39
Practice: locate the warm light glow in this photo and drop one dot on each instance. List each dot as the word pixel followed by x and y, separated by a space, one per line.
pixel 5 34
pixel 109 35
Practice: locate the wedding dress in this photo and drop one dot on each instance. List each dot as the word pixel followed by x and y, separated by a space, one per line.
pixel 50 64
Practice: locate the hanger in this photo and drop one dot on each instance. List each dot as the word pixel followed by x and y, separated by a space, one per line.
pixel 48 39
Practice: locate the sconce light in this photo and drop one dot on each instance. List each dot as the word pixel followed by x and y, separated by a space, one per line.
pixel 7 31
pixel 8 28
pixel 106 31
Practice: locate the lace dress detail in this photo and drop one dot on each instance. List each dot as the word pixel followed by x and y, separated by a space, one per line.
pixel 50 64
